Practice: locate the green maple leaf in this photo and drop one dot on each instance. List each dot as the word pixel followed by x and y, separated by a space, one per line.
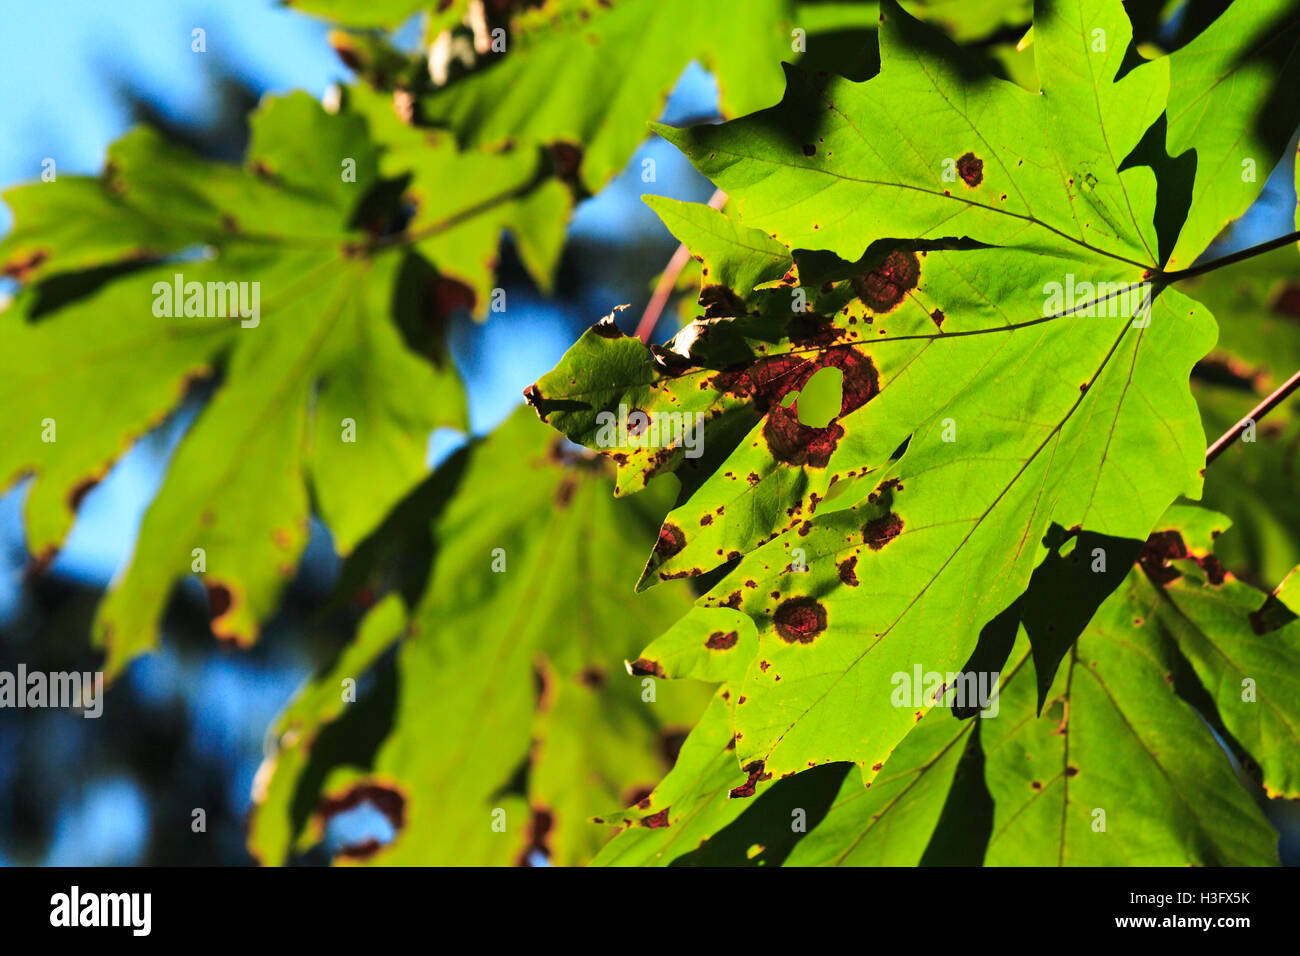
pixel 567 84
pixel 931 291
pixel 494 670
pixel 1232 100
pixel 703 793
pixel 1242 644
pixel 1178 634
pixel 327 348
pixel 1119 771
pixel 464 201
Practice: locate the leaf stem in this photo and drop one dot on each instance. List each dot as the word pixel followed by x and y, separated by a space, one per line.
pixel 664 288
pixel 1255 414
pixel 1239 256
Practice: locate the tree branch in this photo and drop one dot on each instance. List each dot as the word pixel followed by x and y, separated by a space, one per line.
pixel 1259 411
pixel 1239 256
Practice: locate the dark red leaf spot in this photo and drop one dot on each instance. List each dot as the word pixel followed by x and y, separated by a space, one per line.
pixel 848 572
pixel 657 821
pixel 671 541
pixel 971 169
pixel 219 599
pixel 888 485
pixel 644 667
pixel 884 287
pixel 1214 571
pixel 21 269
pixel 800 620
pixel 878 532
pixel 756 776
pixel 719 641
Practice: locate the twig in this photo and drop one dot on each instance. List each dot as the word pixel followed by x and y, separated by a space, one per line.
pixel 1255 414
pixel 664 289
pixel 1238 256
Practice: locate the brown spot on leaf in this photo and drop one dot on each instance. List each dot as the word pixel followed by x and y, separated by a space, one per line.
pixel 888 485
pixel 847 569
pixel 937 318
pixel 1214 571
pixel 800 620
pixel 756 776
pixel 1164 547
pixel 884 287
pixel 671 541
pixel 656 821
pixel 219 599
pixel 1161 548
pixel 644 667
pixel 794 443
pixel 878 532
pixel 719 641
pixel 971 169
pixel 21 268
